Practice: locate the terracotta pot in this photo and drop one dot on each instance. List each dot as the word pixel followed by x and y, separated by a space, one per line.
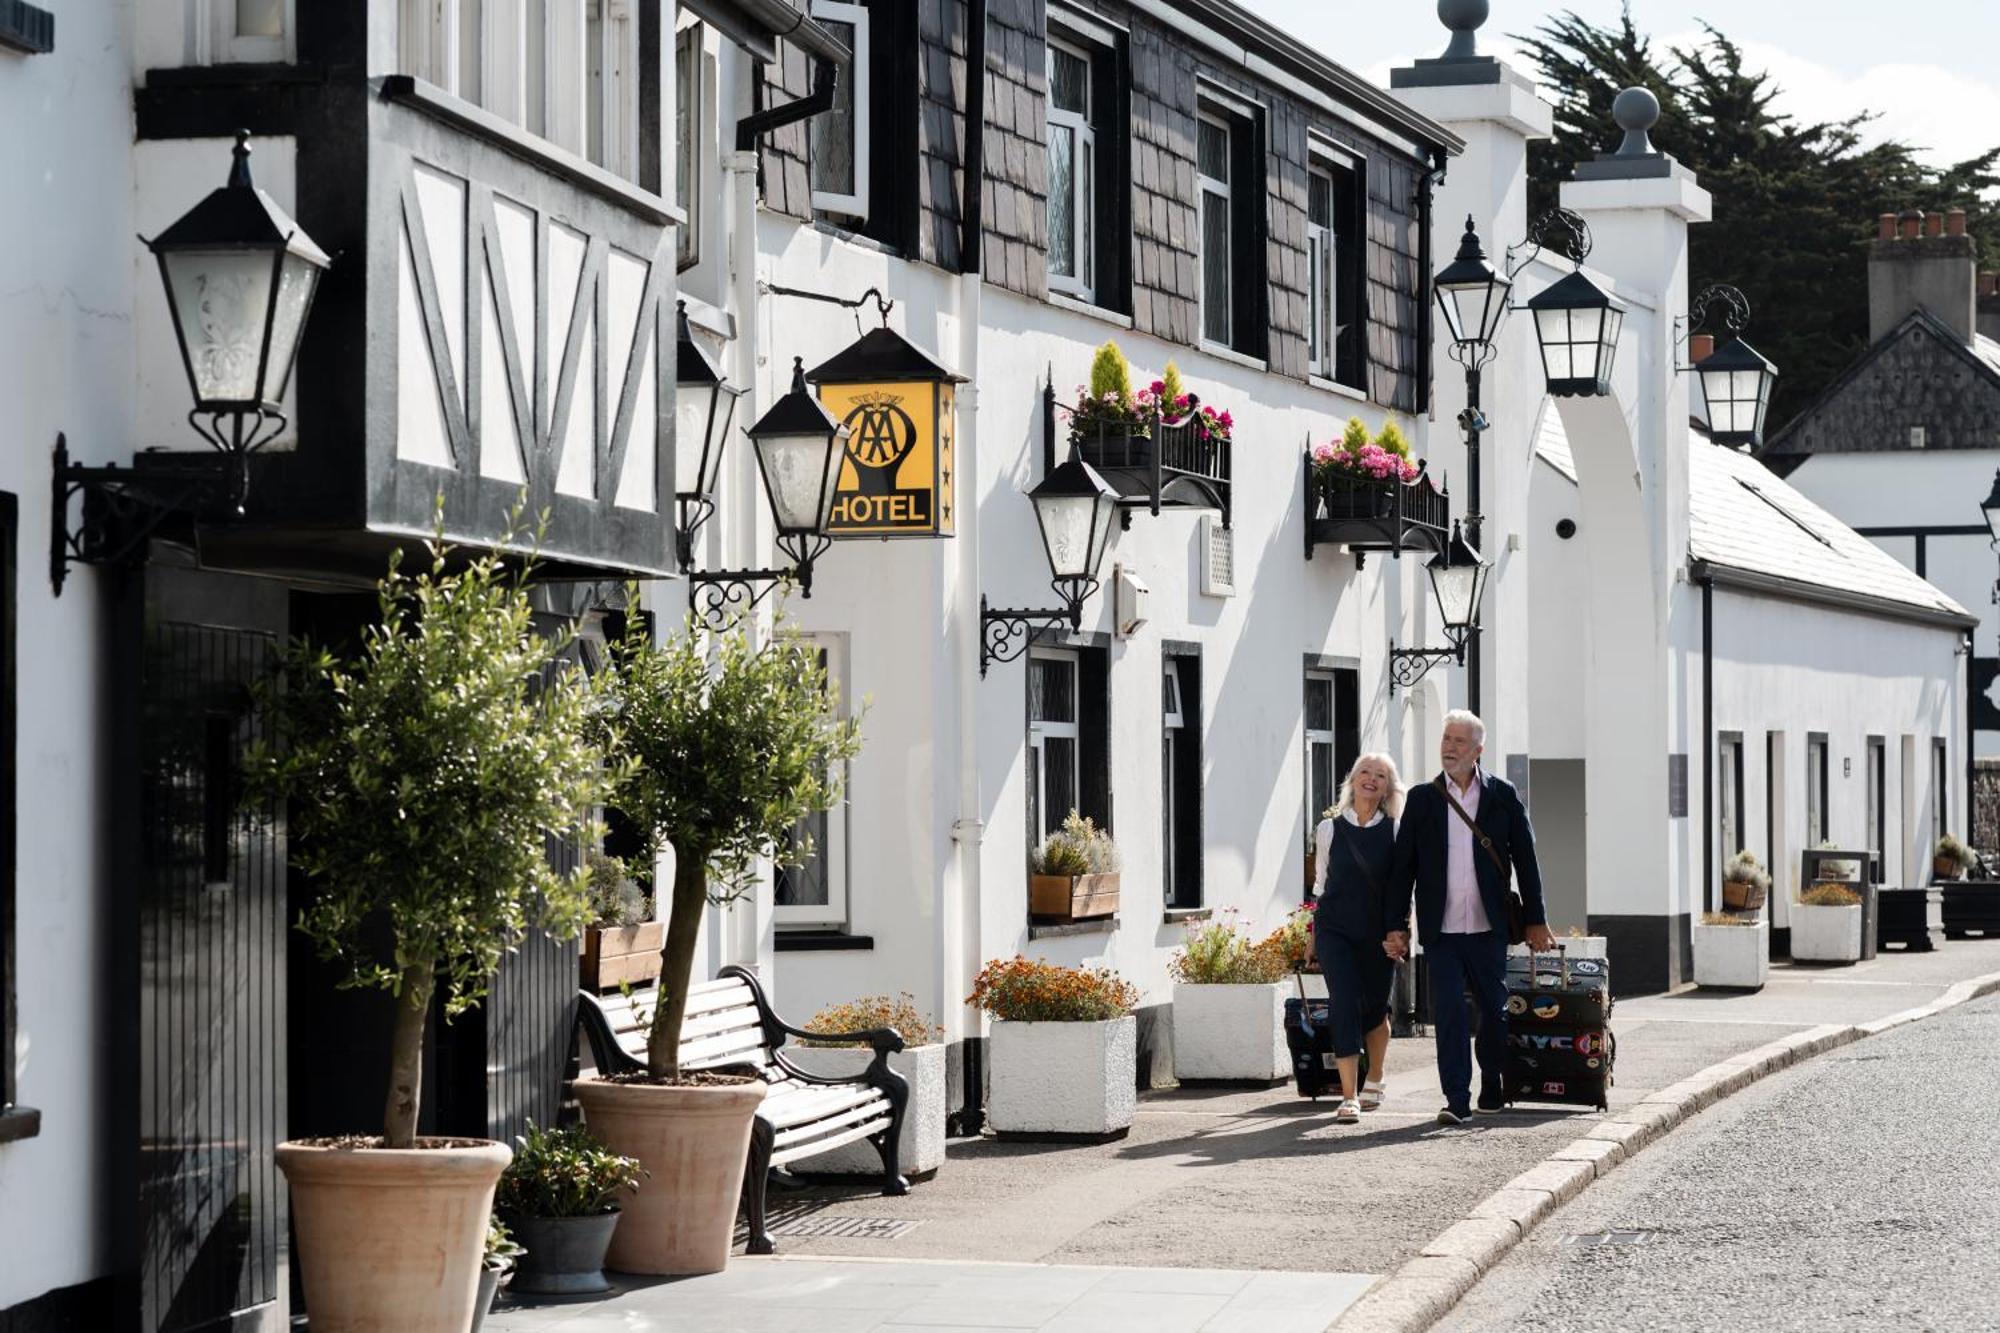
pixel 392 1238
pixel 693 1143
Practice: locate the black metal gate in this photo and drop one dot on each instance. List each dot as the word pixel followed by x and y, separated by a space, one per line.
pixel 211 1002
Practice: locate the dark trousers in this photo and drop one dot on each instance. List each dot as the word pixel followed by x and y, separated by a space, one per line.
pixel 1476 964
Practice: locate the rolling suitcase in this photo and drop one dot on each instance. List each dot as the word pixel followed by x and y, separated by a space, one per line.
pixel 1560 1047
pixel 1309 1037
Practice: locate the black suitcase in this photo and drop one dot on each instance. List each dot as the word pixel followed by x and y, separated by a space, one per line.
pixel 1309 1037
pixel 1560 1047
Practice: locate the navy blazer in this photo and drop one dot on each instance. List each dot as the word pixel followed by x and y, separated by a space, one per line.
pixel 1421 854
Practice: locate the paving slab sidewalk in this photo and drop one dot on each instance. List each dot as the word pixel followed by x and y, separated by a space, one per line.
pixel 1251 1182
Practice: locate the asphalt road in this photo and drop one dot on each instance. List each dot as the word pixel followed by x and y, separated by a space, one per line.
pixel 1858 1190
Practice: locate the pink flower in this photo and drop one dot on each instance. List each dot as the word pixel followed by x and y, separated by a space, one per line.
pixel 1322 453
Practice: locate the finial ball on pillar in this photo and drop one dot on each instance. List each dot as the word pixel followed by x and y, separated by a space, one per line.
pixel 1636 110
pixel 1463 15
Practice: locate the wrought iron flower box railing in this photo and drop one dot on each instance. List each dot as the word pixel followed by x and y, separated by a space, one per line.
pixel 1368 516
pixel 1153 464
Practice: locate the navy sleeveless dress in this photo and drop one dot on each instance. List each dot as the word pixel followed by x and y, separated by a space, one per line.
pixel 1349 926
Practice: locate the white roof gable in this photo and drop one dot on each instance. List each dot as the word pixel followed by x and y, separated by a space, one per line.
pixel 1743 516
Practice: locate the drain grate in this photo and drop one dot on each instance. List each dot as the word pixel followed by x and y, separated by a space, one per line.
pixel 1613 1237
pixel 848 1228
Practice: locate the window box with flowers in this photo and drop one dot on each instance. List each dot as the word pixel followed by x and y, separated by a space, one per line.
pixel 1368 494
pixel 1159 446
pixel 1063 1059
pixel 1074 873
pixel 1229 1003
pixel 921 1063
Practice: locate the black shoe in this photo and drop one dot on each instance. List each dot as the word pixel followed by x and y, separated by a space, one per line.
pixel 1450 1117
pixel 1490 1103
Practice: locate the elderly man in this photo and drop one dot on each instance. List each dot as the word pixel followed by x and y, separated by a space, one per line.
pixel 1461 833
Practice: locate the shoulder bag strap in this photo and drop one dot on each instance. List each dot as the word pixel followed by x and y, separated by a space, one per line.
pixel 1477 832
pixel 1354 856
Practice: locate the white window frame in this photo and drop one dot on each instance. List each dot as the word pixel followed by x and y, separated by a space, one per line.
pixel 1322 277
pixel 690 133
pixel 833 856
pixel 1729 794
pixel 1083 148
pixel 1327 737
pixel 1875 819
pixel 1940 792
pixel 1072 730
pixel 1818 759
pixel 1206 185
pixel 853 205
pixel 212 27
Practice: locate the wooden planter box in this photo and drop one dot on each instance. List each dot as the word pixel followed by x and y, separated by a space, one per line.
pixel 1971 907
pixel 1073 897
pixel 615 955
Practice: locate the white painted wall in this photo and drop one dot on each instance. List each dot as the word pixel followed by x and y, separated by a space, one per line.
pixel 67 269
pixel 1558 628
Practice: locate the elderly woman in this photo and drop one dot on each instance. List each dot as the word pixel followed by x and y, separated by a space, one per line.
pixel 1354 850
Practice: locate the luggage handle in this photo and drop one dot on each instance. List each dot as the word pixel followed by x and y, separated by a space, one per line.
pixel 1559 952
pixel 1305 1009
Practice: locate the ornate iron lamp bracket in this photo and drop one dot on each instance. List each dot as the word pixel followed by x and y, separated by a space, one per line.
pixel 124 506
pixel 1560 230
pixel 1407 666
pixel 719 598
pixel 1005 632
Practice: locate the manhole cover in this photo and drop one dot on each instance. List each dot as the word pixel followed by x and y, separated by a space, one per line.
pixel 1614 1237
pixel 851 1228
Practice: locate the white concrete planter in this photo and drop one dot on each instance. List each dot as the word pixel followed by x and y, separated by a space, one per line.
pixel 1233 1033
pixel 1078 1079
pixel 922 1146
pixel 1734 956
pixel 1826 934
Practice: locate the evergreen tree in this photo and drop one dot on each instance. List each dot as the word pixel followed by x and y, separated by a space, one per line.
pixel 1795 203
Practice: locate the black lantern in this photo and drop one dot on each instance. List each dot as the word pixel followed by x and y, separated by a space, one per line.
pixel 799 446
pixel 240 277
pixel 1473 295
pixel 1458 581
pixel 704 407
pixel 1076 510
pixel 1736 386
pixel 1990 506
pixel 1577 324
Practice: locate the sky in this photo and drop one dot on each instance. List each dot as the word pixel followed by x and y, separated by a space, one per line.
pixel 1931 68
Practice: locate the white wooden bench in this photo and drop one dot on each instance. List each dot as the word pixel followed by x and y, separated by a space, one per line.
pixel 730 1027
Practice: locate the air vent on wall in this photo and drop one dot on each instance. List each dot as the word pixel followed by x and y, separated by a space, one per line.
pixel 1218 558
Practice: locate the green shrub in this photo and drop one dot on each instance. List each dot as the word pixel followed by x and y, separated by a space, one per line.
pixel 564 1173
pixel 1219 953
pixel 1111 376
pixel 877 1011
pixel 1952 850
pixel 616 899
pixel 1355 436
pixel 1393 441
pixel 1079 847
pixel 1744 868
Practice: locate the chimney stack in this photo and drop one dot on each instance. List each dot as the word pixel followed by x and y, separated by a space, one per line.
pixel 1928 262
pixel 1701 346
pixel 1988 320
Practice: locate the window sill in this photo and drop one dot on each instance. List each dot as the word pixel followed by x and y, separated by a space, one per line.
pixel 1175 915
pixel 1230 354
pixel 1051 930
pixel 1335 386
pixel 821 941
pixel 1076 305
pixel 19 1122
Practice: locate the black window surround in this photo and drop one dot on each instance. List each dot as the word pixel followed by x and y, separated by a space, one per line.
pixel 1331 718
pixel 1876 751
pixel 1245 187
pixel 1182 804
pixel 16 1122
pixel 1109 121
pixel 1729 791
pixel 1344 357
pixel 1092 655
pixel 889 61
pixel 1816 787
pixel 1940 788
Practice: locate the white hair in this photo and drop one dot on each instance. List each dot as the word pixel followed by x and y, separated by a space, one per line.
pixel 1465 717
pixel 1392 800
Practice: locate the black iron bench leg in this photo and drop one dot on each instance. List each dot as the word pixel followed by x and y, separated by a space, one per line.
pixel 756 1178
pixel 889 1141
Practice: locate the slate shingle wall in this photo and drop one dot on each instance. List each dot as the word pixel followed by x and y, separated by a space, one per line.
pixel 1913 381
pixel 941 30
pixel 781 165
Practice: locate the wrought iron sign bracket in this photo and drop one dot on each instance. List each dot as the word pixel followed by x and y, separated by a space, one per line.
pixel 1407 666
pixel 124 506
pixel 719 597
pixel 1005 632
pixel 1733 318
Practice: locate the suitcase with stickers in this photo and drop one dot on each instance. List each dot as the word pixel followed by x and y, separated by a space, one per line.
pixel 1560 1047
pixel 1309 1038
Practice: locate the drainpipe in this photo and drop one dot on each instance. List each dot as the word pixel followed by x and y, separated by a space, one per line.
pixel 1971 768
pixel 760 123
pixel 968 830
pixel 1707 742
pixel 1426 186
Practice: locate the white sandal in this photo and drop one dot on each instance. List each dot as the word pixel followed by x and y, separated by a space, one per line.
pixel 1371 1096
pixel 1349 1113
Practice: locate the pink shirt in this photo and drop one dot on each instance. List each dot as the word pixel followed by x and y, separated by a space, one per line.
pixel 1464 911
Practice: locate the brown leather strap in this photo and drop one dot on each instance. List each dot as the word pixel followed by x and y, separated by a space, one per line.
pixel 1477 832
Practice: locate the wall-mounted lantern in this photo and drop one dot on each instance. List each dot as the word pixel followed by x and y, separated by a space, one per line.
pixel 240 276
pixel 1577 324
pixel 1735 378
pixel 1458 582
pixel 1076 510
pixel 704 408
pixel 899 407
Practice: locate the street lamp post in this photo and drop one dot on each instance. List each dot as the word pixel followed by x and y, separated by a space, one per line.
pixel 1474 297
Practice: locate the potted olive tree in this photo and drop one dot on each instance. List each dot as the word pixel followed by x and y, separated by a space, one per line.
pixel 560 1196
pixel 425 775
pixel 1064 1055
pixel 921 1062
pixel 729 746
pixel 1229 1005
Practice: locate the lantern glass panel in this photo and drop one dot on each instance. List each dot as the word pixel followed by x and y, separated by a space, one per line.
pixel 1992 510
pixel 702 415
pixel 296 280
pixel 222 300
pixel 1075 528
pixel 1474 311
pixel 798 474
pixel 1455 587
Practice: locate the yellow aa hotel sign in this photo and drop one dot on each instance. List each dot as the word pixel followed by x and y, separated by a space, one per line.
pixel 897 404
